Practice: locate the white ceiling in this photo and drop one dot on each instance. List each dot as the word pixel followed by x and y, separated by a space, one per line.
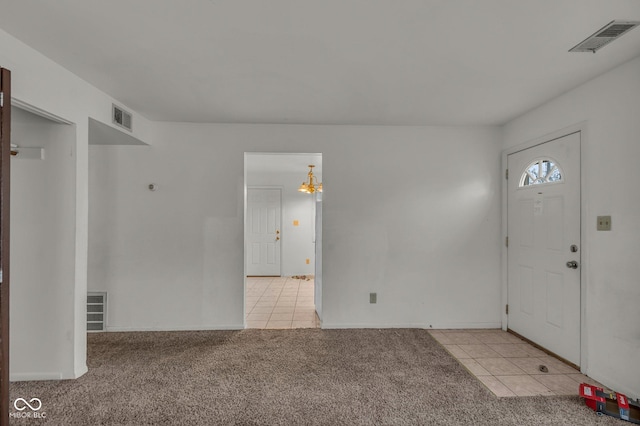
pixel 401 62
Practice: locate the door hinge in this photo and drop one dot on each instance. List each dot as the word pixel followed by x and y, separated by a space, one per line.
pixel 506 173
pixel 1 99
pixel 506 241
pixel 506 309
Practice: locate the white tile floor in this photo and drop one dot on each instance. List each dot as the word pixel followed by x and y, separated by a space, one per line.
pixel 509 366
pixel 280 302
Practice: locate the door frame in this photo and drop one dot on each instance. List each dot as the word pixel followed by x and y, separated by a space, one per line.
pixel 245 188
pixel 246 202
pixel 584 267
pixel 5 190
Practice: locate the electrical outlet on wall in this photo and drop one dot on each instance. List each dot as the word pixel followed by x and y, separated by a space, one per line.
pixel 604 223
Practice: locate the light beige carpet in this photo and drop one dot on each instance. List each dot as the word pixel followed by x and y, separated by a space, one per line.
pixel 284 377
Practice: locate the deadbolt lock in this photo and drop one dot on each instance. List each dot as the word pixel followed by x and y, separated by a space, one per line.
pixel 573 248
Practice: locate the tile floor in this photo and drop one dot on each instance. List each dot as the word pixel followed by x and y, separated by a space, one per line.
pixel 509 366
pixel 280 302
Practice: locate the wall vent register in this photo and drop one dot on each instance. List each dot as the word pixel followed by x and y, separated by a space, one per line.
pixel 122 118
pixel 96 311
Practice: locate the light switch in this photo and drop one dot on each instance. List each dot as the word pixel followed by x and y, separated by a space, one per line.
pixel 604 223
pixel 373 297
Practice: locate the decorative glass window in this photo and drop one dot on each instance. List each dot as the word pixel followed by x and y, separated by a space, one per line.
pixel 540 172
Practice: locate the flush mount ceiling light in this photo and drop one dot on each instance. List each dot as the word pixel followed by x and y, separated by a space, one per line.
pixel 312 185
pixel 604 36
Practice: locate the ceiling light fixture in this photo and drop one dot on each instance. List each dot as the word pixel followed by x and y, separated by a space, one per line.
pixel 312 185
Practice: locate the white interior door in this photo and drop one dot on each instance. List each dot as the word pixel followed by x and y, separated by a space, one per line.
pixel 263 236
pixel 543 236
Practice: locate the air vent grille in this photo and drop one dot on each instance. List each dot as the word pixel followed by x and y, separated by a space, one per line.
pixel 616 30
pixel 96 311
pixel 605 35
pixel 122 118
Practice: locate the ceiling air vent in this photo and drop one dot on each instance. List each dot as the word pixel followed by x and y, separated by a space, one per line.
pixel 605 35
pixel 122 118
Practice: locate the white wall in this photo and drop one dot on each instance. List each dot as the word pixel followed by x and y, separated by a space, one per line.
pixel 42 250
pixel 40 82
pixel 297 241
pixel 425 236
pixel 610 105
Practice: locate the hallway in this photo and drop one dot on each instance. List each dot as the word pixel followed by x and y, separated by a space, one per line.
pixel 280 302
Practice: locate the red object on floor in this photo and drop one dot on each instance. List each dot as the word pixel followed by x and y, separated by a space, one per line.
pixel 612 404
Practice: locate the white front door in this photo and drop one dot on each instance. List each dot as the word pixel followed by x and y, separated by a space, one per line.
pixel 543 226
pixel 263 231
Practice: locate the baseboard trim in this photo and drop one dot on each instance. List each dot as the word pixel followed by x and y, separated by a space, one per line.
pixel 27 377
pixel 365 325
pixel 441 326
pixel 465 325
pixel 437 326
pixel 182 328
pixel 79 373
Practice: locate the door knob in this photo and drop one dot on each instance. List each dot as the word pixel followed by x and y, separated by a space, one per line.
pixel 572 264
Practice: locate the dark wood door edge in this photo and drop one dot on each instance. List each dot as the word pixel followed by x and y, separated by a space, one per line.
pixel 5 186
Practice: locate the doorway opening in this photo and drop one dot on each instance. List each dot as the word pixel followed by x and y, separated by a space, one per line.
pixel 43 244
pixel 283 242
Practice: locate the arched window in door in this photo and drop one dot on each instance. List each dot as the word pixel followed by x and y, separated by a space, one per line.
pixel 541 171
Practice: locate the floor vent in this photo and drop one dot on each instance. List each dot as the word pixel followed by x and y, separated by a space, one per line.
pixel 96 311
pixel 122 118
pixel 605 35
